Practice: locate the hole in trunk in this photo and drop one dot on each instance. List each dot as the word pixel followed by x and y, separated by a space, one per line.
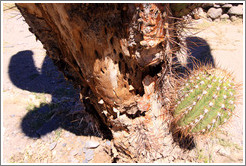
pixel 97 55
pixel 154 70
pixel 112 41
pixel 121 55
pixel 102 71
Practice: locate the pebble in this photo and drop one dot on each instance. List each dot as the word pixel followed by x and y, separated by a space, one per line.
pixel 73 153
pixel 52 145
pixel 91 144
pixel 214 12
pixel 236 10
pixel 89 154
pixel 233 18
pixel 224 16
pixel 227 6
pixel 224 152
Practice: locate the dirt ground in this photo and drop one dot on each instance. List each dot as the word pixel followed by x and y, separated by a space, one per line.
pixel 35 95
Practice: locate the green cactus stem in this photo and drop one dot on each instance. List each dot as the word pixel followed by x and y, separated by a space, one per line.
pixel 206 101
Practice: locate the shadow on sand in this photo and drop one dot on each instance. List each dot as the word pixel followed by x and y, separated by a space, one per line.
pixel 65 110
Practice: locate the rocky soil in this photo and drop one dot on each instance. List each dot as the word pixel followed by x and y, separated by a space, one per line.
pixel 44 121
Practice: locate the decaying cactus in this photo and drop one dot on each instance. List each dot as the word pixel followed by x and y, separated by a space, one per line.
pixel 206 101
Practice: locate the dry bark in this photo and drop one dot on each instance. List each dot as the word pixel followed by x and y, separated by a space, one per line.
pixel 115 53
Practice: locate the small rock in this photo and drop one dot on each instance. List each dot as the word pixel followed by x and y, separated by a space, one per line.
pixel 216 6
pixel 224 16
pixel 216 20
pixel 233 18
pixel 52 145
pixel 91 144
pixel 214 13
pixel 73 153
pixel 199 13
pixel 64 144
pixel 236 10
pixel 89 154
pixel 224 152
pixel 227 5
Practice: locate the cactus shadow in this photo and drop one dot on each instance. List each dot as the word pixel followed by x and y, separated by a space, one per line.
pixel 64 111
pixel 199 53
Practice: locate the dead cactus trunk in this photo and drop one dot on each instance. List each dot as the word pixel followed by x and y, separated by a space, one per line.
pixel 115 53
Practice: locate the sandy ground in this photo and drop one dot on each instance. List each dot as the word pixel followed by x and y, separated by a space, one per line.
pixel 23 90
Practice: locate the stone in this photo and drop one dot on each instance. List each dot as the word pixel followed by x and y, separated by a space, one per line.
pixel 236 10
pixel 224 152
pixel 227 5
pixel 216 6
pixel 52 145
pixel 216 20
pixel 64 144
pixel 91 144
pixel 233 18
pixel 224 16
pixel 199 13
pixel 214 13
pixel 89 154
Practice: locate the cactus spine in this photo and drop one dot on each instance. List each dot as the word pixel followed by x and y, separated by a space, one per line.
pixel 205 102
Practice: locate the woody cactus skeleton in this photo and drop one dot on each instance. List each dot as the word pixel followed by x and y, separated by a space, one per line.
pixel 120 56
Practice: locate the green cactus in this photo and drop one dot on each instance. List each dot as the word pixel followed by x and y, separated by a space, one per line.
pixel 205 102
